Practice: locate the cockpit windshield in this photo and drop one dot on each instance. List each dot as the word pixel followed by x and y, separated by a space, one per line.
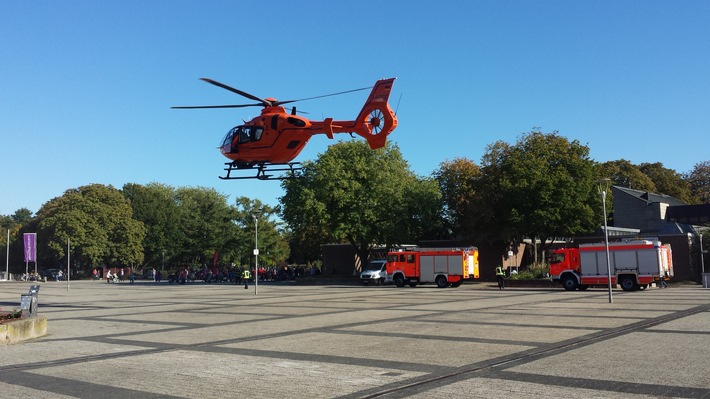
pixel 229 137
pixel 244 134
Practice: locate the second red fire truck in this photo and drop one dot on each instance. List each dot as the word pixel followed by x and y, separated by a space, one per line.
pixel 634 264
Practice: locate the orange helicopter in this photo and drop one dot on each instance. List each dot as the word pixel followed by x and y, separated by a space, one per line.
pixel 273 139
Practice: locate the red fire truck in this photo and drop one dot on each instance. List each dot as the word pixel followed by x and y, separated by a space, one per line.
pixel 443 266
pixel 634 264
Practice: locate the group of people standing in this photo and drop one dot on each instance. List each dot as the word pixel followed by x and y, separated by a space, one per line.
pixel 117 276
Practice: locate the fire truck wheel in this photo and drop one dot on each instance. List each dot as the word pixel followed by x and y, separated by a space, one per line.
pixel 399 281
pixel 628 283
pixel 441 282
pixel 569 283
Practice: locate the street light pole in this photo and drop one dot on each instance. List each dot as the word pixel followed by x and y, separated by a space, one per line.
pixel 7 259
pixel 256 251
pixel 702 255
pixel 603 187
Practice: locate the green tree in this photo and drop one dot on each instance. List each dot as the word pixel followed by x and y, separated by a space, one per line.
pixel 99 221
pixel 352 194
pixel 154 204
pixel 457 181
pixel 273 239
pixel 22 216
pixel 206 221
pixel 625 174
pixel 13 224
pixel 669 182
pixel 699 180
pixel 540 188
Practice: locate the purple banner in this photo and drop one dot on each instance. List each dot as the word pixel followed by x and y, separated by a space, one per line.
pixel 30 240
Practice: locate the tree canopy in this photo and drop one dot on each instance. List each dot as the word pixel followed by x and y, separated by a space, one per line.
pixel 540 188
pixel 699 179
pixel 669 182
pixel 352 194
pixel 98 219
pixel 457 181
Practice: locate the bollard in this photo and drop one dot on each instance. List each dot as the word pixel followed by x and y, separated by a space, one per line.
pixel 28 302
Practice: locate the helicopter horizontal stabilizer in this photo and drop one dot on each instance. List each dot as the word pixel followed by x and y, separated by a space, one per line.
pixel 328 127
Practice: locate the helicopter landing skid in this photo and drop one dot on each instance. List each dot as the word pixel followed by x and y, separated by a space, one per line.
pixel 264 171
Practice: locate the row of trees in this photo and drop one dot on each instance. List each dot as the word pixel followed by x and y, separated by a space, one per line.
pixel 150 225
pixel 542 186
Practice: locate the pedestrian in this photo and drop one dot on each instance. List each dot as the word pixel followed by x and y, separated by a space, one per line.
pixel 665 277
pixel 95 273
pixel 108 276
pixel 182 279
pixel 132 277
pixel 500 276
pixel 246 275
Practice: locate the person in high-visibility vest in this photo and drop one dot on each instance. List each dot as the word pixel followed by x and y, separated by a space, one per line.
pixel 246 275
pixel 500 275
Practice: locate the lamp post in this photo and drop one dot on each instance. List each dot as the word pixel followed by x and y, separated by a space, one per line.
pixel 7 259
pixel 256 215
pixel 603 187
pixel 702 255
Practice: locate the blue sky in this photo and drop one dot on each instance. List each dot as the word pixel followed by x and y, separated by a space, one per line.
pixel 86 86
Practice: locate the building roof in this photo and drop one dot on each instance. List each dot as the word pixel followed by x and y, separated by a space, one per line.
pixel 649 197
pixel 691 214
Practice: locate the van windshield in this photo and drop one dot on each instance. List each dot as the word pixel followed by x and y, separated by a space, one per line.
pixel 375 266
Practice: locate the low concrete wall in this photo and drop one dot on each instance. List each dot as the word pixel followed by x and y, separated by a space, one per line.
pixel 22 330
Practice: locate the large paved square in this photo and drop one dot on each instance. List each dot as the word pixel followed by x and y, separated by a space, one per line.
pixel 291 341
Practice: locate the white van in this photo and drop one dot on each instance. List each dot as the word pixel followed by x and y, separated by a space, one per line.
pixel 376 272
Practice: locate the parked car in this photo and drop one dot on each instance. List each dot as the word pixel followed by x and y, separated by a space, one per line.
pixel 376 272
pixel 50 274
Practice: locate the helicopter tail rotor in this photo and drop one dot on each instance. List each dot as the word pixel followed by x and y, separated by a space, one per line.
pixel 376 119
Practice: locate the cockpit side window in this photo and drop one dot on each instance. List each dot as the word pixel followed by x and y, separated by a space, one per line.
pixel 256 133
pixel 250 133
pixel 244 136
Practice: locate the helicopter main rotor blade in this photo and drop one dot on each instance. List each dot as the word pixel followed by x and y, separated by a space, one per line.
pixel 217 106
pixel 262 102
pixel 325 95
pixel 241 93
